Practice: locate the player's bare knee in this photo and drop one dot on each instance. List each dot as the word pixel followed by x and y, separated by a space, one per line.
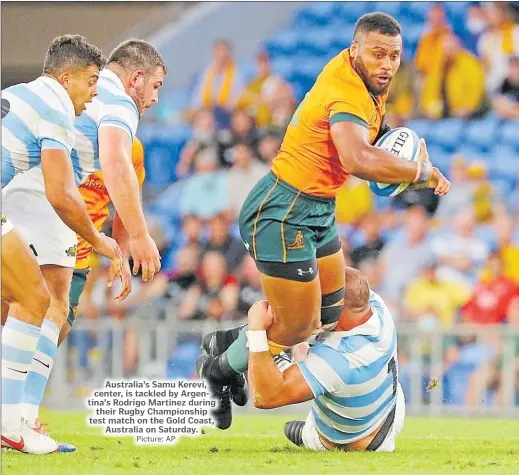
pixel 58 310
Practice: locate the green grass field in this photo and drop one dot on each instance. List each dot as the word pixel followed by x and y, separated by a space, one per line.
pixel 256 445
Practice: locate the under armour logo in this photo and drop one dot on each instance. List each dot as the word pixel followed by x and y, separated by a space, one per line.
pixel 303 272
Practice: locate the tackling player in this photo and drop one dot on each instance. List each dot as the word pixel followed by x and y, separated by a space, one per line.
pixel 42 200
pixel 351 374
pixel 288 220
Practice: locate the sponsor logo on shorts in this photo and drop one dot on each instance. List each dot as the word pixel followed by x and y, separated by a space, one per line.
pixel 246 244
pixel 71 251
pixel 302 272
pixel 4 218
pixel 298 242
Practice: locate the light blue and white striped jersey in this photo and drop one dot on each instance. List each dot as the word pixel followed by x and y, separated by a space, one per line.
pixel 353 376
pixel 111 107
pixel 36 116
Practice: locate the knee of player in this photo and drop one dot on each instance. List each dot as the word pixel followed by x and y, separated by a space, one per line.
pixel 59 305
pixel 39 299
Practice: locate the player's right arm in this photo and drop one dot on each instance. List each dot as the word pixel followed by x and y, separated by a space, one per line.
pixel 373 163
pixel 64 196
pixel 115 149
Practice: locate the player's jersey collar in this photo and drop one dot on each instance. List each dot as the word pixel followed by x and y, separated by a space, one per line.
pixel 61 92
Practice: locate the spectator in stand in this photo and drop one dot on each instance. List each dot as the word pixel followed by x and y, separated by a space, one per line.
pixel 486 197
pixel 493 295
pixel 260 96
pixel 220 84
pixel 373 242
pixel 221 240
pixel 205 193
pixel 498 43
pixel 429 53
pixel 354 201
pixel 214 295
pixel 245 172
pixel 243 130
pixel 400 105
pixel 432 302
pixel 508 250
pixel 476 24
pixel 460 195
pixel 455 87
pixel 506 102
pixel 459 252
pixel 204 138
pixel 250 287
pixel 372 269
pixel 425 198
pixel 268 148
pixel 405 255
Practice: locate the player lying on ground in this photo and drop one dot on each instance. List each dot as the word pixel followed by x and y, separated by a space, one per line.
pixel 288 219
pixel 42 200
pixel 350 373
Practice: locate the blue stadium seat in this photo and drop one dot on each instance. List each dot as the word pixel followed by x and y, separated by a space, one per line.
pixel 283 65
pixel 284 42
pixel 422 128
pixel 481 133
pixel 446 133
pixel 509 133
pixel 317 13
pixel 391 8
pixel 439 158
pixel 353 10
pixel 316 41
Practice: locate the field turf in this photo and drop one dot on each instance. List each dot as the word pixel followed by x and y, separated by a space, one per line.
pixel 256 445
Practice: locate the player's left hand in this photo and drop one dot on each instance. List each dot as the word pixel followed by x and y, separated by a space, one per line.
pixel 260 316
pixel 126 281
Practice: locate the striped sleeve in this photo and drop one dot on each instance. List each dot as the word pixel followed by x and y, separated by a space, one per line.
pixel 121 112
pixel 324 369
pixel 55 131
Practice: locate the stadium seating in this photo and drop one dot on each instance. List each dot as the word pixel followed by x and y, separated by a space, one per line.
pixel 317 33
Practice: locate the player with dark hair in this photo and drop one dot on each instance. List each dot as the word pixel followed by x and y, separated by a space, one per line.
pixel 288 222
pixel 41 199
pixel 105 135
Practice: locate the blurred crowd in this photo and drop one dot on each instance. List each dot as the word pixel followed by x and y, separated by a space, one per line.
pixel 437 262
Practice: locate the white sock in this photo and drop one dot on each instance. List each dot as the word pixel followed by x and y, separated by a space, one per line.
pixel 19 341
pixel 41 367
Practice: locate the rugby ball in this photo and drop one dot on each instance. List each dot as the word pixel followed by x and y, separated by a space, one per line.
pixel 404 143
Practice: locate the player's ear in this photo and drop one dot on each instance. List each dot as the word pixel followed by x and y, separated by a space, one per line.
pixel 136 78
pixel 64 79
pixel 354 48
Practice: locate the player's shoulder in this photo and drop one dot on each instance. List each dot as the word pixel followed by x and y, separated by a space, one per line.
pixel 375 300
pixel 111 91
pixel 41 99
pixel 339 78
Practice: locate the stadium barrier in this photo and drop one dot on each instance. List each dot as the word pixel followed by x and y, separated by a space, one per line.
pixel 464 370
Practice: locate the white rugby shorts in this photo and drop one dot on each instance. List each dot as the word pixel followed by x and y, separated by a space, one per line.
pixel 6 225
pixel 312 441
pixel 27 206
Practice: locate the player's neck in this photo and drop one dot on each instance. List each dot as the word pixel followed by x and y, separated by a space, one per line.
pixel 118 71
pixel 352 320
